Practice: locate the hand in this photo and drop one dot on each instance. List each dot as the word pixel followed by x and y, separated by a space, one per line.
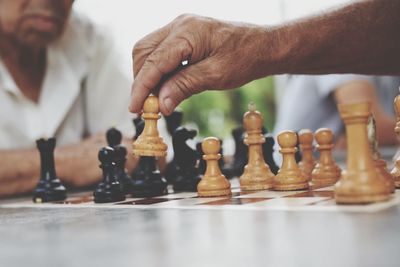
pixel 220 55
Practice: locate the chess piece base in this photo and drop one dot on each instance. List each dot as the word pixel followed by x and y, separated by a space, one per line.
pixel 48 191
pixel 260 178
pixel 357 188
pixel 149 187
pixel 322 182
pixel 214 187
pixel 290 181
pixel 214 193
pixel 108 193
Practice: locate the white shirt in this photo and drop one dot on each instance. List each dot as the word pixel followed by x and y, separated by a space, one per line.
pixel 84 91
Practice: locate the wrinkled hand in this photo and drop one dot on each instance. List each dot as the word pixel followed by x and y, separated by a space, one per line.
pixel 220 55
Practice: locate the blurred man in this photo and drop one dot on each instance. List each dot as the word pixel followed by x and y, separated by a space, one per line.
pixel 59 76
pixel 311 102
pixel 362 37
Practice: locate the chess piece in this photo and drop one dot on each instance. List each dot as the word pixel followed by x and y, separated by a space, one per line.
pixel 268 152
pixel 297 155
pixel 307 162
pixel 109 189
pixel 49 187
pixel 326 172
pixel 149 143
pixel 396 169
pixel 202 162
pixel 360 183
pixel 380 164
pixel 236 167
pixel 185 175
pixel 289 177
pixel 147 179
pixel 122 176
pixel 257 175
pixel 114 138
pixel 173 121
pixel 213 182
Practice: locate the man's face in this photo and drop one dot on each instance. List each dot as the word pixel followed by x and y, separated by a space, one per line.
pixel 34 22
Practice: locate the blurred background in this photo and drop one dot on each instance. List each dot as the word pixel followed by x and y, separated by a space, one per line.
pixel 212 113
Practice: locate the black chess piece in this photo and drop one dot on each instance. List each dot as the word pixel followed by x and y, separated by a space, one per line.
pixel 114 138
pixel 173 121
pixel 49 187
pixel 268 153
pixel 120 171
pixel 201 166
pixel 298 155
pixel 109 189
pixel 147 179
pixel 184 175
pixel 236 168
pixel 139 126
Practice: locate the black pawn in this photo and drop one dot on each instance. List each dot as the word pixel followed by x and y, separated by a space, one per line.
pixel 109 190
pixel 114 137
pixel 268 152
pixel 185 175
pixel 120 171
pixel 147 179
pixel 49 187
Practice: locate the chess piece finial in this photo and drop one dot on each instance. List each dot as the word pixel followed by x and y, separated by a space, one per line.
pixel 213 182
pixel 149 143
pixel 257 174
pixel 113 136
pixel 360 183
pixel 307 162
pixel 395 172
pixel 289 177
pixel 326 172
pixel 49 187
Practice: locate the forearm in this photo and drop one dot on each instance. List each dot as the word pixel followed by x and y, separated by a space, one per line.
pixel 360 38
pixel 76 165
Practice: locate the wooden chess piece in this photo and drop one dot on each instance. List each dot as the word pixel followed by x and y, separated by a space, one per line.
pixel 213 182
pixel 289 177
pixel 149 143
pixel 396 169
pixel 307 162
pixel 360 183
pixel 326 172
pixel 380 164
pixel 257 175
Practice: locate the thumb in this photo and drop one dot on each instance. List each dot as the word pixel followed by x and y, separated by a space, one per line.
pixel 182 85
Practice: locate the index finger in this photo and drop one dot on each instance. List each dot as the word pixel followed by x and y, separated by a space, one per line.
pixel 165 59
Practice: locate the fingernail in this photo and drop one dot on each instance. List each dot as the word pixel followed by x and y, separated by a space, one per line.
pixel 168 104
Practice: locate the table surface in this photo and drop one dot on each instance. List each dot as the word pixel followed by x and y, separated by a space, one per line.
pixel 134 237
pixel 171 237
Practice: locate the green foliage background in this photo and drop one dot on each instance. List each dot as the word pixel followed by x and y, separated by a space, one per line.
pixel 231 104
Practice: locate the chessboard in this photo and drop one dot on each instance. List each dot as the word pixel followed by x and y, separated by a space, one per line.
pixel 316 199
